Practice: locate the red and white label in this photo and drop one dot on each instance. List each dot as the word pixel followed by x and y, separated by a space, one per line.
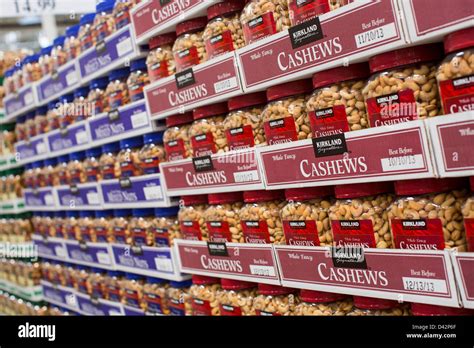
pixel 282 62
pixel 259 27
pixel 453 137
pixel 219 44
pixel 302 233
pixel 201 307
pixel 158 70
pixel 355 233
pixel 463 266
pixel 374 154
pixel 240 137
pixel 282 130
pixel 230 311
pixel 431 16
pixel 214 81
pixel 329 121
pixel 255 231
pixel 469 225
pixel 175 150
pixel 419 234
pixel 457 95
pixel 203 144
pixel 190 230
pixel 303 10
pixel 421 276
pixel 149 17
pixel 254 263
pixel 219 231
pixel 231 171
pixel 390 109
pixel 186 58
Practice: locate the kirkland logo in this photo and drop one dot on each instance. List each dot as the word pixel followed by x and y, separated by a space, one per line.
pixel 277 123
pixel 183 53
pixel 215 223
pixel 200 137
pixel 216 39
pixel 255 22
pixel 252 224
pixel 297 224
pixel 324 113
pixel 349 225
pixel 414 224
pixel 387 98
pixel 236 131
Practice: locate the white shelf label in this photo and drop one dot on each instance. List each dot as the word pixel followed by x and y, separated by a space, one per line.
pixel 71 300
pixel 104 258
pixel 267 271
pixel 225 85
pixel 153 193
pixel 139 120
pixel 402 163
pixel 250 175
pixel 60 251
pixel 375 35
pixel 81 137
pixel 163 265
pixel 424 285
pixel 71 78
pixel 40 148
pixel 28 98
pixel 93 198
pixel 49 200
pixel 124 47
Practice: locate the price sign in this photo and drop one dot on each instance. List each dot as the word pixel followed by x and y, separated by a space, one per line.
pixel 16 8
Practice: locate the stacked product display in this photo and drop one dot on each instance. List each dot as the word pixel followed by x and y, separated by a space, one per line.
pixel 208 161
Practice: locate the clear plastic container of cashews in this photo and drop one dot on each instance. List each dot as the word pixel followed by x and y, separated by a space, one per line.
pixel 222 217
pixel 243 124
pixel 160 59
pixel 359 217
pixel 285 117
pixel 207 131
pixel 273 300
pixel 262 18
pixel 260 217
pixel 223 32
pixel 305 217
pixel 191 217
pixel 176 137
pixel 188 48
pixel 403 85
pixel 337 104
pixel 427 214
pixel 179 298
pixel 455 74
pixel 204 296
pixel 154 296
pixel 323 304
pixel 367 306
pixel 236 298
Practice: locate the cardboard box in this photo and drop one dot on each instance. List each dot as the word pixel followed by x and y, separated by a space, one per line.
pixel 351 34
pixel 227 172
pixel 377 154
pixel 214 81
pixel 452 138
pixel 402 275
pixel 152 18
pixel 431 20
